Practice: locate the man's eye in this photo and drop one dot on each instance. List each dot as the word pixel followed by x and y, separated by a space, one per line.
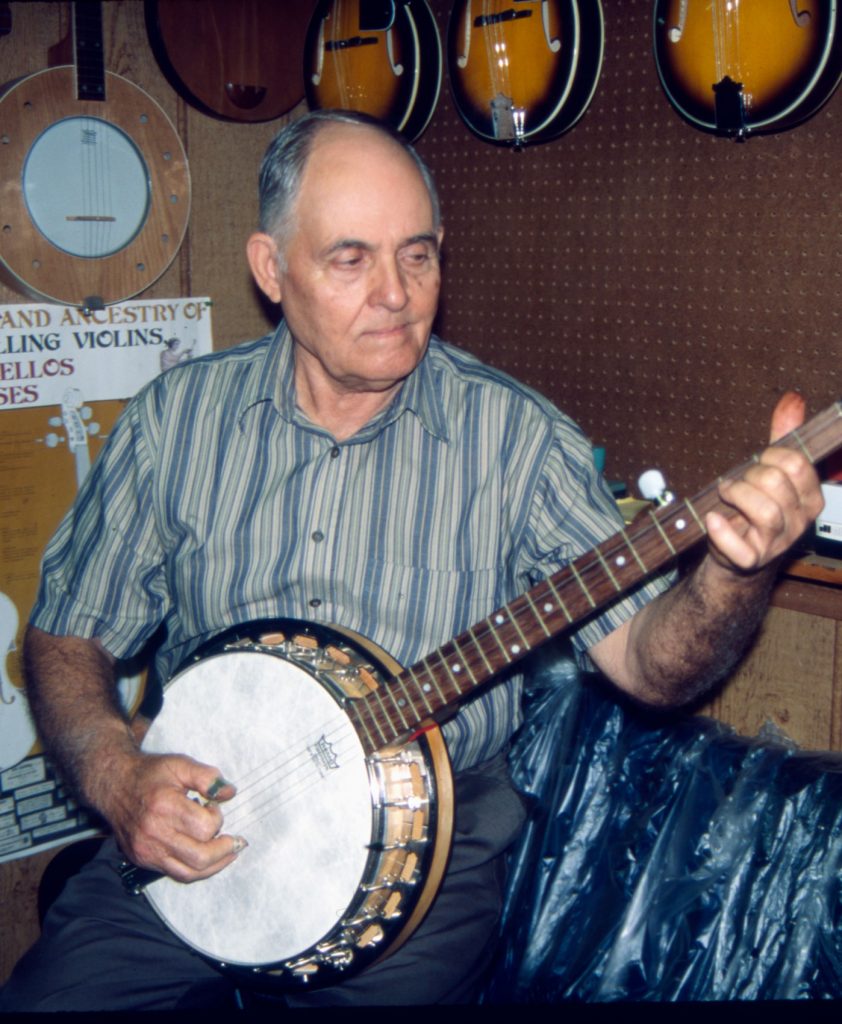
pixel 349 260
pixel 417 257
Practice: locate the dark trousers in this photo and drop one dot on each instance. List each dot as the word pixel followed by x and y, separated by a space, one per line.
pixel 101 949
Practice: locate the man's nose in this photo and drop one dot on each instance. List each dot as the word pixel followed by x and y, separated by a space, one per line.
pixel 389 285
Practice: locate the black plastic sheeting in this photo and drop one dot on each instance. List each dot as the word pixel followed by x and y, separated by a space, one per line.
pixel 666 860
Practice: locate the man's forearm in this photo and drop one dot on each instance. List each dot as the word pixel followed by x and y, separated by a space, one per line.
pixel 692 636
pixel 73 696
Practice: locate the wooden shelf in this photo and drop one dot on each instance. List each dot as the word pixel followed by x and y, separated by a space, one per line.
pixel 817 568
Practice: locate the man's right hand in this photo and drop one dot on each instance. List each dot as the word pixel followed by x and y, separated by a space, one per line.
pixel 148 799
pixel 153 804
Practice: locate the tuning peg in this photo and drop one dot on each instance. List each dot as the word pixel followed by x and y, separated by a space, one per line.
pixel 653 487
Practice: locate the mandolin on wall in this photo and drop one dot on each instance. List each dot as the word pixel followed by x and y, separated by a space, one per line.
pixel 755 66
pixel 524 70
pixel 379 57
pixel 95 183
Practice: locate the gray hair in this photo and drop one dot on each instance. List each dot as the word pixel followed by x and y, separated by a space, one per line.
pixel 284 161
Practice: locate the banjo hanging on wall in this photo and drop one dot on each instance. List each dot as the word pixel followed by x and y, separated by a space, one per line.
pixel 96 188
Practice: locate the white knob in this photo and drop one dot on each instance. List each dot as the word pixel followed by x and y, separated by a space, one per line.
pixel 652 484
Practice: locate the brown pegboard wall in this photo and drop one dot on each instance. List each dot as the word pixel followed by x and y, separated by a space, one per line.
pixel 662 285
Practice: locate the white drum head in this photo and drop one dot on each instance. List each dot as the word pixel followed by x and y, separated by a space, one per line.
pixel 303 804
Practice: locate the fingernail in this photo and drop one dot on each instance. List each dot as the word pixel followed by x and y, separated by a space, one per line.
pixel 217 784
pixel 239 844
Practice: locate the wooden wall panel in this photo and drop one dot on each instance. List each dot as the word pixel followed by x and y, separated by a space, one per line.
pixel 786 682
pixel 224 158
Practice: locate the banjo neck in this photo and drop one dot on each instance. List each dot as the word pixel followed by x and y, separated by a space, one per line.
pixel 89 58
pixel 452 673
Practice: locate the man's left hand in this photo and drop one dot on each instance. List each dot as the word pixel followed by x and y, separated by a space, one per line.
pixel 771 505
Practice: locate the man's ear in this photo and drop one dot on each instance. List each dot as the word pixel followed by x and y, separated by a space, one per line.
pixel 262 254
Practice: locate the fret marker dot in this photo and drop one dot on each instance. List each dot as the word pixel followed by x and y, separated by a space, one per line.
pixel 548 608
pixel 426 687
pixel 456 667
pixel 401 702
pixel 620 560
pixel 515 648
pixel 499 620
pixel 680 524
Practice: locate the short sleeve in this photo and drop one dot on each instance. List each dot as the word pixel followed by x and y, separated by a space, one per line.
pixel 102 572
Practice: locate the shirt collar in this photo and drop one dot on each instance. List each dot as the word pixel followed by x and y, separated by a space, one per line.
pixel 274 381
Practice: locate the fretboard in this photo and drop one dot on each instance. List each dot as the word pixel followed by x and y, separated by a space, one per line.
pixel 454 672
pixel 90 60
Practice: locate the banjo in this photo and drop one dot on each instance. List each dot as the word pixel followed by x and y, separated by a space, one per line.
pixel 343 784
pixel 96 186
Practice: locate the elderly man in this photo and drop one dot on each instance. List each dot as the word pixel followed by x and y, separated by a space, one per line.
pixel 350 469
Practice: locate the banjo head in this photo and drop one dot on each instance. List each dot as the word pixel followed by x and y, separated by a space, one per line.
pixel 339 843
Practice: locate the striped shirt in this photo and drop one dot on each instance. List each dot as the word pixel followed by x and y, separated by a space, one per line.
pixel 215 501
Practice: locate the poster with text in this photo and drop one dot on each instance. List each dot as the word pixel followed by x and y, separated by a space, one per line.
pixel 65 377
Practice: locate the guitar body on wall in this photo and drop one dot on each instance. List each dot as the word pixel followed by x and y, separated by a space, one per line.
pixel 524 70
pixel 96 190
pixel 751 67
pixel 235 61
pixel 380 57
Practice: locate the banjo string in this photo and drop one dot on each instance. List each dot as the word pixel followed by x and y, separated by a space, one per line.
pixel 270 781
pixel 272 799
pixel 254 812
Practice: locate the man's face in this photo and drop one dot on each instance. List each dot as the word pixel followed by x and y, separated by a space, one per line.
pixel 361 280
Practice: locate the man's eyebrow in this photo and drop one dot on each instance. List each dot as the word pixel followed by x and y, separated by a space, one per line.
pixel 423 238
pixel 429 237
pixel 348 243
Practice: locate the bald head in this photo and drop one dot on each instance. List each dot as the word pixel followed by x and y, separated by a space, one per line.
pixel 286 158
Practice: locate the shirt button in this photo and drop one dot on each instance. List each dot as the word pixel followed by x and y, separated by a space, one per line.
pixel 317 536
pixel 315 602
pixel 334 453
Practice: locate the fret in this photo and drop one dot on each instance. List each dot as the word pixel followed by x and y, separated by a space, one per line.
pixel 550 605
pixel 797 438
pixel 381 693
pixel 384 738
pixel 479 647
pixel 453 668
pixel 465 661
pixel 537 614
pixel 433 675
pixel 500 620
pixel 581 583
pixel 361 711
pixel 634 552
pixel 622 561
pixel 559 598
pixel 692 510
pixel 662 533
pixel 420 689
pixel 514 621
pixel 607 569
pixel 514 650
pixel 407 700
